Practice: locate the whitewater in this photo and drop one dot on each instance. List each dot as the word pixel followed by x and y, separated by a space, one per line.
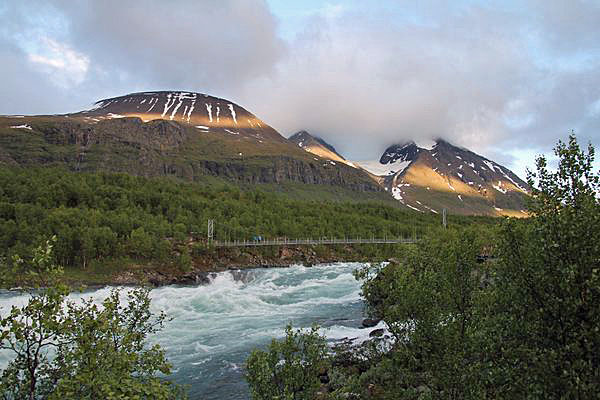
pixel 213 328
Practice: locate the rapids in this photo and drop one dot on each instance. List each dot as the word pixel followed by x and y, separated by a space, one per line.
pixel 214 327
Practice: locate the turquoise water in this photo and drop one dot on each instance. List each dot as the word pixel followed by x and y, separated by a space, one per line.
pixel 214 327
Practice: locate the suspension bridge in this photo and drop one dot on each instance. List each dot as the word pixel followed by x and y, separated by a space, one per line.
pixel 321 241
pixel 259 241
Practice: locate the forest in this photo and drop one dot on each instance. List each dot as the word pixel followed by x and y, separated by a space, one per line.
pixel 103 217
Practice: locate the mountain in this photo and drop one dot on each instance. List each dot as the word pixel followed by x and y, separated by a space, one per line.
pixel 429 177
pixel 168 133
pixel 199 110
pixel 318 146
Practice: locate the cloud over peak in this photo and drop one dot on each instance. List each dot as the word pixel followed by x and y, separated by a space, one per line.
pixel 491 76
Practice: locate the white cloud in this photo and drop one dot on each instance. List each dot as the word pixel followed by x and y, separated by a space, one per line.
pixel 488 76
pixel 65 66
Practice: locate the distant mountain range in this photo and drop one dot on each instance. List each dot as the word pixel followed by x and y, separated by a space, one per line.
pixel 434 175
pixel 193 135
pixel 181 134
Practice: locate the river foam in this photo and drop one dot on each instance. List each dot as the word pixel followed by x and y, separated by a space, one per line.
pixel 213 328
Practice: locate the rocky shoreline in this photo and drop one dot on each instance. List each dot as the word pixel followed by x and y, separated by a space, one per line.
pixel 224 259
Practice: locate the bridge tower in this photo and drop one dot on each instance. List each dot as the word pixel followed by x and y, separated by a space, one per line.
pixel 211 229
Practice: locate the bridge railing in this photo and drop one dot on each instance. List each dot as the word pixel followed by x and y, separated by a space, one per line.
pixel 322 241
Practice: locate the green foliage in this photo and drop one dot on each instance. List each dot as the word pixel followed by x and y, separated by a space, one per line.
pixel 428 300
pixel 524 325
pixel 549 284
pixel 63 349
pixel 289 369
pixel 99 217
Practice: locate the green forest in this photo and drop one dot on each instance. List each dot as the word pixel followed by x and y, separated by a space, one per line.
pixel 108 217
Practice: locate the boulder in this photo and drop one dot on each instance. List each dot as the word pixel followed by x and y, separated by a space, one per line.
pixel 370 322
pixel 377 333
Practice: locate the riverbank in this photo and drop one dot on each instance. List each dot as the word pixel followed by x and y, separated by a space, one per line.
pixel 196 264
pixel 223 259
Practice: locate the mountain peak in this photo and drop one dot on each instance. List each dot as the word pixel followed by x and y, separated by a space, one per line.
pixel 430 175
pixel 317 146
pixel 197 109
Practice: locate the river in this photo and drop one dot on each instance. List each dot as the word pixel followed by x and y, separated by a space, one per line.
pixel 214 327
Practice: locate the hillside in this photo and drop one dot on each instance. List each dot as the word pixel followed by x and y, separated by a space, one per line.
pixel 432 176
pixel 318 146
pixel 181 134
pixel 111 225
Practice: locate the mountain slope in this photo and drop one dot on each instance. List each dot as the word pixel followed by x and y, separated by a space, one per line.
pixel 182 134
pixel 318 146
pixel 438 175
pixel 200 110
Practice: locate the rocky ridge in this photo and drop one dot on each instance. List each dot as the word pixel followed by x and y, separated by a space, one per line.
pixel 436 175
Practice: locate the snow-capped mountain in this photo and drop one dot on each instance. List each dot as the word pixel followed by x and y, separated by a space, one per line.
pixel 318 146
pixel 200 110
pixel 174 133
pixel 432 176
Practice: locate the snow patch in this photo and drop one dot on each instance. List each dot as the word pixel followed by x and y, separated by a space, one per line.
pixel 397 193
pixel 232 112
pixel 232 132
pixel 490 165
pixel 168 105
pixel 451 187
pixel 430 209
pixel 209 111
pixel 379 169
pixel 460 197
pixel 414 208
pixel 191 109
pixel 152 104
pixel 499 187
pixel 514 183
pixel 25 126
pixel 202 127
pixel 426 144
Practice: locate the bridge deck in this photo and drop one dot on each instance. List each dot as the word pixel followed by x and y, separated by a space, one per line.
pixel 324 241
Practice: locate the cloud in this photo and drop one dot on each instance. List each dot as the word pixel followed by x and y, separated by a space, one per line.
pixel 495 78
pixel 107 48
pixel 479 76
pixel 196 45
pixel 65 66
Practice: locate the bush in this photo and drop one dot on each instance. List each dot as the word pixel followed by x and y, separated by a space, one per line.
pixel 289 368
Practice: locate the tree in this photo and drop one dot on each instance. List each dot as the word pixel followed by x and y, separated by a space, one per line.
pixel 67 350
pixel 548 284
pixel 429 300
pixel 290 368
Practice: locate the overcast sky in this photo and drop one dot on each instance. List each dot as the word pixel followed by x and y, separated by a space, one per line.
pixel 506 79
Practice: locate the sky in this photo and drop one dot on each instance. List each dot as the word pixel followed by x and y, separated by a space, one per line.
pixel 506 79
